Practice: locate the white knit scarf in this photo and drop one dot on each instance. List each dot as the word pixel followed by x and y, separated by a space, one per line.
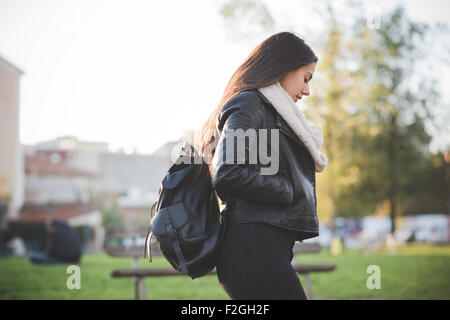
pixel 310 134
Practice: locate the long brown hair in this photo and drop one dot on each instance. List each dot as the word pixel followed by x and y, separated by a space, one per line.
pixel 268 63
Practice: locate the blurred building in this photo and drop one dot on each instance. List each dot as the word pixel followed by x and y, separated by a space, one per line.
pixel 11 164
pixel 51 179
pixel 132 180
pixel 83 155
pixel 86 185
pixel 55 189
pixel 67 170
pixel 134 177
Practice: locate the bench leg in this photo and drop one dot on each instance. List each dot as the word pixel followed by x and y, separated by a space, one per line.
pixel 308 287
pixel 140 290
pixel 143 289
pixel 136 288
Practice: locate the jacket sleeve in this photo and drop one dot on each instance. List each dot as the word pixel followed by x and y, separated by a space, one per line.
pixel 244 180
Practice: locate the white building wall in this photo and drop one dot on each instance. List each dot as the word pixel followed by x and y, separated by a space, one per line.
pixel 56 189
pixel 83 155
pixel 11 162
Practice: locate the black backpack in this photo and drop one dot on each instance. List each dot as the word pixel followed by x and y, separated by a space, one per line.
pixel 188 224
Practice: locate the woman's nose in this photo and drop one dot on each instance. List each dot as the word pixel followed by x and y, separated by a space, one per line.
pixel 305 91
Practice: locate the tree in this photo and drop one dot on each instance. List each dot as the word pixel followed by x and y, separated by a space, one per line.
pixel 112 215
pixel 331 105
pixel 394 137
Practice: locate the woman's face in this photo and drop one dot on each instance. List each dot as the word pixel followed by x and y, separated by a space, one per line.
pixel 296 82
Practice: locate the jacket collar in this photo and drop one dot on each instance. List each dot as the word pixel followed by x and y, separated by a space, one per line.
pixel 280 122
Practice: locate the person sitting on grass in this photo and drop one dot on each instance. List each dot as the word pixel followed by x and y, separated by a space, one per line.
pixel 63 245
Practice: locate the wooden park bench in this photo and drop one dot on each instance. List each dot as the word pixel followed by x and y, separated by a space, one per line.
pixel 130 242
pixel 306 269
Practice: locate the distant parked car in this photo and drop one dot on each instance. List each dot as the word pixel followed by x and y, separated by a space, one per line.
pixel 404 235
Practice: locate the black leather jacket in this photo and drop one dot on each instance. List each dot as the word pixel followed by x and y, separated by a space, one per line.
pixel 286 199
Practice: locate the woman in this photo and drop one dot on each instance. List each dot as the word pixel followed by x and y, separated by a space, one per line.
pixel 266 213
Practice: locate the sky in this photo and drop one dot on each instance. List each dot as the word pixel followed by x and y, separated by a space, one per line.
pixel 132 73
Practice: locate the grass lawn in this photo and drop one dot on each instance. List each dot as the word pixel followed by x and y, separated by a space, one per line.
pixel 417 271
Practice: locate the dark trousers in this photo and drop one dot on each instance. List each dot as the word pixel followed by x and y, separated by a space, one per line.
pixel 255 263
